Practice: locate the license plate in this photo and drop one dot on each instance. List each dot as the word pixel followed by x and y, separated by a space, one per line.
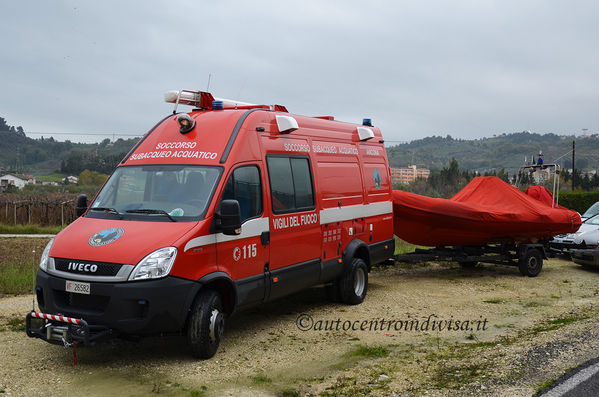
pixel 77 287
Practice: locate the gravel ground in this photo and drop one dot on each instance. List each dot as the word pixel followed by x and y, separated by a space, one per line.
pixel 536 329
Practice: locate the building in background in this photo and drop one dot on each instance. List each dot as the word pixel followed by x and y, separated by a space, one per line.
pixel 406 175
pixel 16 180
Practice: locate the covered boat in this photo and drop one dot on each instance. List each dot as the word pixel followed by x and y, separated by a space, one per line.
pixel 487 210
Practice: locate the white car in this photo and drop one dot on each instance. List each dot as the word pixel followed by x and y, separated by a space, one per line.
pixel 565 243
pixel 592 211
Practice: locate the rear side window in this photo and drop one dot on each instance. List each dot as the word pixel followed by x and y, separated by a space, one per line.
pixel 245 187
pixel 291 186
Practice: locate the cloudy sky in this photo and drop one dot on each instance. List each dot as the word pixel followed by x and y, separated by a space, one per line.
pixel 417 68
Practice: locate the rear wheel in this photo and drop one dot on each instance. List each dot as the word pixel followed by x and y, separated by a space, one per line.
pixel 206 324
pixel 531 263
pixel 353 284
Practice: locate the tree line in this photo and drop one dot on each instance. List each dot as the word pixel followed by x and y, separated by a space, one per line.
pixel 450 180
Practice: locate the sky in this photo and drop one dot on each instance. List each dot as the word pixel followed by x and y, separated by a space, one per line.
pixel 469 69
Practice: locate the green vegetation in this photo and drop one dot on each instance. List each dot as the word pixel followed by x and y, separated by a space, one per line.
pixel 29 229
pixel 261 379
pixel 16 279
pixel 494 301
pixel 502 151
pixel 46 155
pixel 290 393
pixel 55 177
pixel 371 351
pixel 578 200
pixel 198 392
pixel 19 259
pixel 16 324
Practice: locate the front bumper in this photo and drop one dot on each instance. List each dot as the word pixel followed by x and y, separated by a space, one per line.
pixel 586 257
pixel 564 247
pixel 133 308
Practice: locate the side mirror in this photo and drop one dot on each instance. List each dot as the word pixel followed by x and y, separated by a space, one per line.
pixel 81 205
pixel 228 218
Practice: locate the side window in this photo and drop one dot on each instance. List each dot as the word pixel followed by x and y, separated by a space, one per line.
pixel 290 184
pixel 244 185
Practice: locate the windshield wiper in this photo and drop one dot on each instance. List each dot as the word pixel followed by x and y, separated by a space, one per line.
pixel 106 209
pixel 151 211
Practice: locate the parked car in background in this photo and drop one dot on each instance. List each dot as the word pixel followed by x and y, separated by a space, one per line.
pixel 565 243
pixel 590 254
pixel 592 211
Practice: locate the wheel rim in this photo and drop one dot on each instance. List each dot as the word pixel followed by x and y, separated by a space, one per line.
pixel 359 282
pixel 532 263
pixel 216 325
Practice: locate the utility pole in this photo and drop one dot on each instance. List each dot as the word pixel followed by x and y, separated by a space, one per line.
pixel 573 162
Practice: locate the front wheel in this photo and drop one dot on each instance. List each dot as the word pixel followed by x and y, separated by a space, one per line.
pixel 531 263
pixel 353 285
pixel 206 324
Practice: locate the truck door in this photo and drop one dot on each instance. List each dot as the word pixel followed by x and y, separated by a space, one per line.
pixel 295 226
pixel 245 256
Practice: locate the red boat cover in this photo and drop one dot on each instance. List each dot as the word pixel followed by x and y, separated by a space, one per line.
pixel 487 210
pixel 542 194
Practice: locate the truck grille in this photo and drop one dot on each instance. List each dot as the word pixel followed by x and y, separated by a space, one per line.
pixel 78 267
pixel 70 302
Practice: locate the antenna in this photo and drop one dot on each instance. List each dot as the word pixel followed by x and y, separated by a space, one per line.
pixel 208 86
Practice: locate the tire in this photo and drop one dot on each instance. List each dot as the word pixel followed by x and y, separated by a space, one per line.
pixel 468 264
pixel 206 324
pixel 353 284
pixel 531 263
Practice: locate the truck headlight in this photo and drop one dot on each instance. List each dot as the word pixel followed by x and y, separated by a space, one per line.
pixel 46 256
pixel 156 265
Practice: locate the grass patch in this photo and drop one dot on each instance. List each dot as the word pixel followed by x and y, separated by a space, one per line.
pixel 494 301
pixel 50 178
pixel 545 385
pixel 16 324
pixel 289 393
pixel 371 351
pixel 29 229
pixel 261 379
pixel 566 320
pixel 16 279
pixel 198 392
pixel 556 324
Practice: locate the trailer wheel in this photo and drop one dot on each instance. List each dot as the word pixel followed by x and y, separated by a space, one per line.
pixel 531 263
pixel 353 284
pixel 468 264
pixel 206 324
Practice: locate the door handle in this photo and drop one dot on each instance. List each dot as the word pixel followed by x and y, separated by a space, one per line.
pixel 265 238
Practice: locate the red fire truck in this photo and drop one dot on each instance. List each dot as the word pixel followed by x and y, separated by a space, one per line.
pixel 224 207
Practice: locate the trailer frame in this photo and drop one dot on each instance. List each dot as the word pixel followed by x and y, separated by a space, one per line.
pixel 528 257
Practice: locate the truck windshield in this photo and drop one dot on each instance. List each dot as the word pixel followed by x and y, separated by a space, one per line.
pixel 156 192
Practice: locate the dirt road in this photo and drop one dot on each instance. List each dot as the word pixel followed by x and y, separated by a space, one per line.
pixel 514 335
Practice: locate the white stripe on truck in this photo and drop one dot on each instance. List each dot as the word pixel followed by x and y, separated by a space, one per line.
pixel 355 211
pixel 251 228
pixel 255 227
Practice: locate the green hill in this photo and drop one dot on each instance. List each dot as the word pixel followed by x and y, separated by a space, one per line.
pixel 44 155
pixel 505 151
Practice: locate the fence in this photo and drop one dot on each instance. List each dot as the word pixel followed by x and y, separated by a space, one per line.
pixel 50 210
